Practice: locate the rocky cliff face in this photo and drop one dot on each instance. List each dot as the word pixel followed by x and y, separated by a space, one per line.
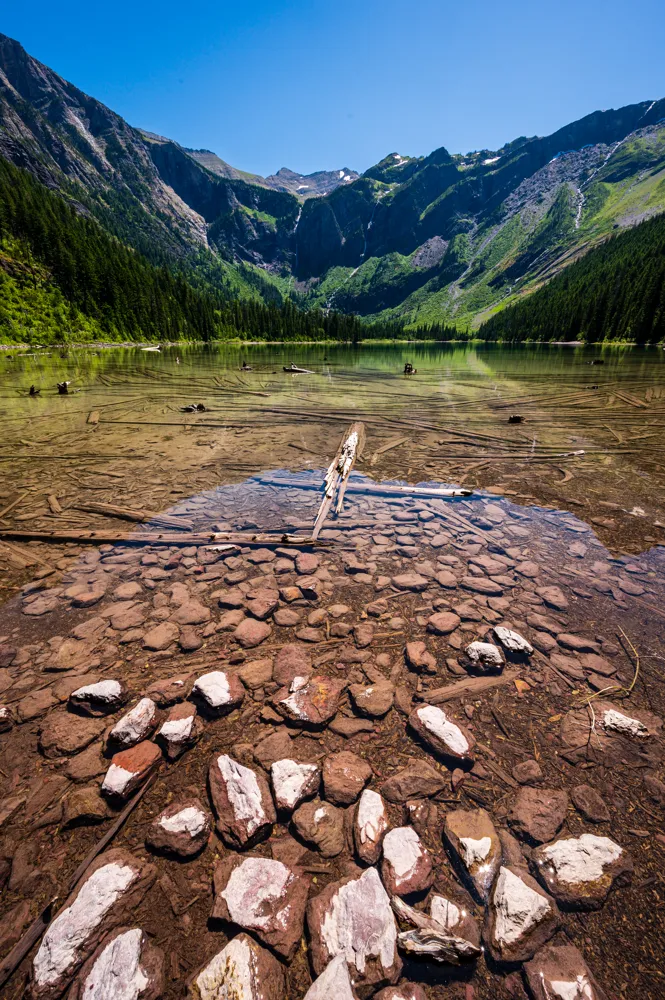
pixel 441 236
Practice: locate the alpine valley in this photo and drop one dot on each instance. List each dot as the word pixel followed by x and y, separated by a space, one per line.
pixel 415 243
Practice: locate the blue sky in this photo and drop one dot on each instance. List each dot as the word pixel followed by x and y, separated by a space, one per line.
pixel 318 84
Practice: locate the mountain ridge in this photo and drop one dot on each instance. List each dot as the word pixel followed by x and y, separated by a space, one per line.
pixel 446 237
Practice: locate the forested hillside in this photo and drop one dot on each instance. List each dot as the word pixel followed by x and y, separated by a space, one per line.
pixel 615 292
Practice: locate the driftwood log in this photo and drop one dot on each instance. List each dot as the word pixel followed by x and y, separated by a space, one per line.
pixel 140 516
pixel 469 686
pixel 162 538
pixel 339 470
pixel 376 489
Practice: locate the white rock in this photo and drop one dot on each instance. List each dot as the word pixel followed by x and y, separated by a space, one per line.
pixel 445 912
pixel 177 730
pixel 438 723
pixel 116 780
pixel 292 782
pixel 334 983
pixel 243 791
pixel 103 691
pixel 581 989
pixel 512 641
pixel 371 819
pixel 360 923
pixel 75 925
pixel 295 699
pixel 485 654
pixel 117 973
pixel 214 688
pixel 475 850
pixel 252 890
pixel 189 820
pixel 519 908
pixel 619 723
pixel 136 724
pixel 402 850
pixel 229 975
pixel 581 859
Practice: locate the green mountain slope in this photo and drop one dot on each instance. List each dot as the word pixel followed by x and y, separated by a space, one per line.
pixel 615 292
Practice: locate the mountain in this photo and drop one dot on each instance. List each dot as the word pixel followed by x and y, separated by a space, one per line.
pixel 418 241
pixel 301 185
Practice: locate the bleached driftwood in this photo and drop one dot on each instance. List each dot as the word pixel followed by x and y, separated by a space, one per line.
pixel 339 470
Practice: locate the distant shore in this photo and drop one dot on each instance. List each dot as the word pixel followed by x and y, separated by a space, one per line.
pixel 108 345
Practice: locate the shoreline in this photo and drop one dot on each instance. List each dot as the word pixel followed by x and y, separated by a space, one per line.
pixel 108 345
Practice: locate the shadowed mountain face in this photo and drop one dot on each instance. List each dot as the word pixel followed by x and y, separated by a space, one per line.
pixel 446 236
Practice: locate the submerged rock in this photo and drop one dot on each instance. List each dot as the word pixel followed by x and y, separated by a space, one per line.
pixel 310 702
pixel 322 825
pixel 293 782
pixel 241 800
pixel 183 828
pixel 537 813
pixel 559 972
pixel 370 824
pixel 407 865
pixel 344 777
pixel 448 739
pixel 126 965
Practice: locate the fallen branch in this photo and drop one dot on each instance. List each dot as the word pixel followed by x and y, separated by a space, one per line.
pixel 338 473
pixel 11 962
pixel 469 686
pixel 140 516
pixel 162 538
pixel 375 489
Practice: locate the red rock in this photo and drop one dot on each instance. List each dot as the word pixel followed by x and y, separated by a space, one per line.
pixel 353 917
pixel 363 634
pixel 161 637
pixel 419 658
pixel 446 579
pixel 230 620
pixel 561 967
pixel 242 802
pixel 588 802
pixel 125 957
pixel 130 768
pixel 83 806
pixel 370 824
pixel 410 581
pixel 553 597
pixel 322 825
pixel 310 586
pixel 442 623
pixel 310 634
pixel 349 727
pixel 272 748
pixel 307 563
pixel 521 917
pixel 180 731
pixel 375 700
pixel 417 780
pixel 481 585
pixel 407 865
pixel 263 896
pixel 113 887
pixel 263 607
pixel 241 961
pixel 310 702
pixel 577 643
pixel 170 690
pixel 183 828
pixel 135 726
pixel 7 655
pixel 537 813
pixel 64 734
pixel 344 777
pixel 260 556
pixel 251 632
pixel 528 772
pixel 442 734
pixel 191 613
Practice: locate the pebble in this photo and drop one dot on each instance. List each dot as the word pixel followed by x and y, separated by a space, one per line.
pixel 537 813
pixel 161 637
pixel 485 657
pixel 291 661
pixel 183 829
pixel 344 777
pixel 375 700
pixel 442 623
pixel 416 781
pixel 410 581
pixel 419 658
pixel 310 702
pixel 251 633
pixel 322 825
pixel 170 690
pixel 440 733
pixel 136 725
pixel 64 734
pixel 527 772
pixel 180 731
pixel 559 972
pixel 588 802
pixel 370 824
pixel 513 643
